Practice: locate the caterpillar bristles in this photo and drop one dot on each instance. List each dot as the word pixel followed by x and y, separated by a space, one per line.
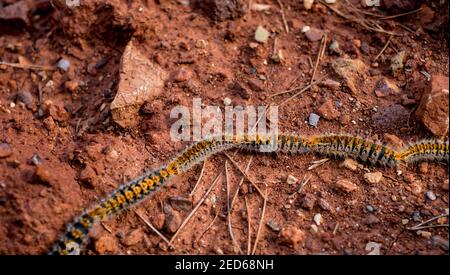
pixel 335 145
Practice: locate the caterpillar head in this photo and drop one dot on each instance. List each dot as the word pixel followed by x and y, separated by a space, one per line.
pixel 66 248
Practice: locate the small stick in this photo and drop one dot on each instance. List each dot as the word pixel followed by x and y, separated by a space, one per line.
pixel 230 229
pixel 245 175
pixel 199 178
pixel 401 14
pixel 384 48
pixel 30 67
pixel 258 232
pixel 240 183
pixel 249 239
pixel 152 227
pixel 428 226
pixel 317 163
pixel 335 228
pixel 303 184
pixel 283 16
pixel 428 221
pixel 106 228
pixel 319 55
pixel 196 207
pixel 209 226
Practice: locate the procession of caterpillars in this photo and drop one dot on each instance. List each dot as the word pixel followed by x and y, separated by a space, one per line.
pixel 340 146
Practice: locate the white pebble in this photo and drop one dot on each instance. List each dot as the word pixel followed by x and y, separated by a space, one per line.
pixel 226 101
pixel 318 219
pixel 63 64
pixel 308 4
pixel 431 196
pixel 306 29
pixel 330 1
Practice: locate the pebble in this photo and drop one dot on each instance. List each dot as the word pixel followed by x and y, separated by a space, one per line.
pixel 35 160
pixel 306 29
pixel 350 164
pixel 334 47
pixel 416 216
pixel 226 101
pixel 181 75
pixel 373 178
pixel 201 44
pixel 112 156
pixel 314 228
pixel 308 201
pixel 261 34
pixel 260 7
pixel 88 176
pixel 430 195
pixel 330 83
pixel 313 119
pixel 346 185
pixel 373 248
pixel 307 4
pixel 106 243
pixel 71 85
pixel 132 238
pixel 371 219
pixel 330 1
pixel 42 174
pixel 273 225
pixel 328 111
pixel 385 87
pixel 158 220
pixel 423 167
pixel 365 48
pixel 172 222
pixel 405 221
pixel 253 45
pixel 317 219
pixel 26 98
pixel 397 61
pixel 277 57
pixel 291 180
pixel 438 241
pixel 370 208
pixel 314 34
pixel 5 150
pixel 424 234
pixel 63 64
pixel 324 205
pixel 291 235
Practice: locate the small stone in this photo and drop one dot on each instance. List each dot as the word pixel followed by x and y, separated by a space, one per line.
pixel 330 83
pixel 260 7
pixel 308 201
pixel 5 150
pixel 291 180
pixel 373 178
pixel 346 185
pixel 63 64
pixel 158 220
pixel 313 119
pixel 328 111
pixel 334 47
pixel 26 98
pixel 317 218
pixel 430 195
pixel 291 235
pixel 416 216
pixel 350 164
pixel 35 160
pixel 424 234
pixel 227 101
pixel 112 156
pixel 181 75
pixel 132 238
pixel 397 61
pixel 384 88
pixel 253 45
pixel 181 203
pixel 71 85
pixel 373 248
pixel 307 4
pixel 42 174
pixel 330 1
pixel 405 221
pixel 261 34
pixel 218 251
pixel 314 228
pixel 440 242
pixel 370 208
pixel 353 71
pixel 306 29
pixel 173 221
pixel 201 44
pixel 324 205
pixel 256 85
pixel 314 34
pixel 12 104
pixel 277 57
pixel 88 176
pixel 365 48
pixel 357 43
pixel 106 243
pixel 371 219
pixel 273 225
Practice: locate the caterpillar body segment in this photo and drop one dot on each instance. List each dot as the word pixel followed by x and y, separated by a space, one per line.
pixel 339 146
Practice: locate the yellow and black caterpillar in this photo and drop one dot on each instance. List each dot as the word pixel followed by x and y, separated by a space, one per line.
pixel 330 145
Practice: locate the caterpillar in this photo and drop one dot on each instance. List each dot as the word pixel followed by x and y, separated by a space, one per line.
pixel 338 146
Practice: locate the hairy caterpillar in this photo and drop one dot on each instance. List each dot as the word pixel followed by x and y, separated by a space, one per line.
pixel 331 145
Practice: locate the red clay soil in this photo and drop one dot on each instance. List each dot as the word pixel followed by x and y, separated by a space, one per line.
pixel 61 151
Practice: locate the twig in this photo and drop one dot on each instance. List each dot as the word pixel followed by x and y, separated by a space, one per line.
pixel 106 227
pixel 230 229
pixel 295 89
pixel 152 227
pixel 335 228
pixel 300 92
pixel 29 66
pixel 319 55
pixel 245 175
pixel 240 183
pixel 384 48
pixel 249 238
pixel 317 163
pixel 199 178
pixel 209 226
pixel 428 221
pixel 428 226
pixel 196 207
pixel 258 232
pixel 283 16
pixel 399 15
pixel 303 184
